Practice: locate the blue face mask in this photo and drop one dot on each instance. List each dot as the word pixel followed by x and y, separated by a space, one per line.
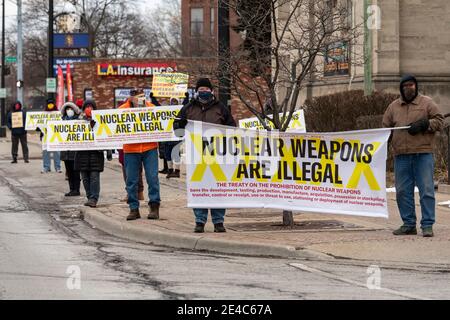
pixel 205 96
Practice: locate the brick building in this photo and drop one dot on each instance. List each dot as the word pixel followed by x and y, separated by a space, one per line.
pixel 199 35
pixel 199 29
pixel 108 81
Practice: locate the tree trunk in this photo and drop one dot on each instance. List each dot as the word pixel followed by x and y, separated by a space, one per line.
pixel 288 218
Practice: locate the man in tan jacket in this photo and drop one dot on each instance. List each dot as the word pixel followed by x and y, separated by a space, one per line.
pixel 413 154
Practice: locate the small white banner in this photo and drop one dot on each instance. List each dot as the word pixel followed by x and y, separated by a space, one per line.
pixel 297 123
pixel 135 125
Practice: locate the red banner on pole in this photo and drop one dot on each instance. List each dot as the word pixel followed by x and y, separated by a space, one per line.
pixel 69 83
pixel 60 90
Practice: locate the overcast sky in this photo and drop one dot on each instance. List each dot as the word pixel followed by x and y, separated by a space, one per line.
pixel 11 8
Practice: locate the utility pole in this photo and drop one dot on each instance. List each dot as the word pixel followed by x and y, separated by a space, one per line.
pixel 19 53
pixel 3 109
pixel 368 85
pixel 223 21
pixel 50 73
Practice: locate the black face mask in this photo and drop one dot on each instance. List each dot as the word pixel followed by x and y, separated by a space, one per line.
pixel 409 94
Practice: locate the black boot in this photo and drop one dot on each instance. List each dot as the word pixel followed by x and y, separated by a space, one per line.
pixel 166 168
pixel 169 173
pixel 218 227
pixel 174 174
pixel 14 160
pixel 199 228
pixel 91 203
pixel 72 193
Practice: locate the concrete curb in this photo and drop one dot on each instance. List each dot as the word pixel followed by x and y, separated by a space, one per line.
pixel 129 231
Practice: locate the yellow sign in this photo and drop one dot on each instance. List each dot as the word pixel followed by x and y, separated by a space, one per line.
pixel 171 85
pixel 17 119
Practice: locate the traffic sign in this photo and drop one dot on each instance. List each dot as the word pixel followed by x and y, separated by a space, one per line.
pixel 51 85
pixel 2 93
pixel 11 59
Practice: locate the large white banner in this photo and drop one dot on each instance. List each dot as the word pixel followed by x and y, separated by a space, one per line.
pixel 135 125
pixel 297 123
pixel 341 173
pixel 38 119
pixel 73 135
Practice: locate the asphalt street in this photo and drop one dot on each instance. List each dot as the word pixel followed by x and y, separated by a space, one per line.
pixel 47 251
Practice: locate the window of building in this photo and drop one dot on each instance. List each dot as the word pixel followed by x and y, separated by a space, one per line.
pixel 196 21
pixel 211 27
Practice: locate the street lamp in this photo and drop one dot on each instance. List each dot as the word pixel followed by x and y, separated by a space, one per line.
pixel 50 44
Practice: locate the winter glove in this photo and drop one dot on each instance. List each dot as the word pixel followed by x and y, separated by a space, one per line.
pixel 92 123
pixel 421 125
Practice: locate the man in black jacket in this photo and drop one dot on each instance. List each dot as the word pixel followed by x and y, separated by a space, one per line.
pixel 18 133
pixel 206 108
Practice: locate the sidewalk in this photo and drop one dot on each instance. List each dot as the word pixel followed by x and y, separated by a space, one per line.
pixel 258 232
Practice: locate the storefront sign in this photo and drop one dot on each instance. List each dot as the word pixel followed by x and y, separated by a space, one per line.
pixel 70 40
pixel 64 61
pixel 134 69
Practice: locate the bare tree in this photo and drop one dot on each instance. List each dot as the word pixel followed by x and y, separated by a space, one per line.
pixel 116 28
pixel 166 28
pixel 285 42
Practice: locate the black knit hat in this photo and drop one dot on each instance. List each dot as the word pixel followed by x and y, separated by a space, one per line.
pixel 203 82
pixel 407 78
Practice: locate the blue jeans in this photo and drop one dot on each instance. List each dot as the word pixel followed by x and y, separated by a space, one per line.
pixel 46 160
pixel 411 170
pixel 201 215
pixel 91 183
pixel 133 163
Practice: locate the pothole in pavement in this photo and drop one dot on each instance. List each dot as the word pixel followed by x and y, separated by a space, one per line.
pixel 309 225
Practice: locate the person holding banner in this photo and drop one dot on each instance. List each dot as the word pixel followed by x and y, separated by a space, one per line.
pixel 136 156
pixel 70 111
pixel 46 163
pixel 90 163
pixel 133 92
pixel 413 154
pixel 205 107
pixel 16 123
